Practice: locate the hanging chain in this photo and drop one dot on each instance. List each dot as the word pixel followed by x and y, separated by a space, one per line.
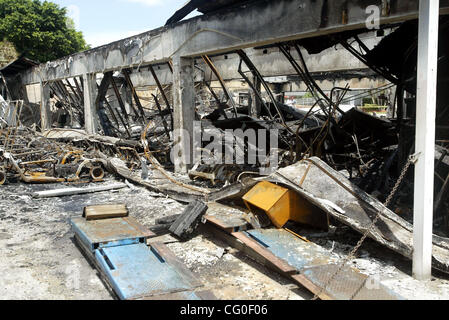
pixel 412 160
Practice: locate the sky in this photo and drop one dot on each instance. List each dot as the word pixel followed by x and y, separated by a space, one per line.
pixel 105 21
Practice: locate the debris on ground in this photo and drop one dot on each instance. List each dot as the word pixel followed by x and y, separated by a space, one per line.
pixel 322 210
pixel 189 221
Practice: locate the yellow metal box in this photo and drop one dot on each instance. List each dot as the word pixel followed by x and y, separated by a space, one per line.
pixel 282 205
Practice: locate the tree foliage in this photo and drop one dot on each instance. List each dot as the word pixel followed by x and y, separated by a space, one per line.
pixel 41 30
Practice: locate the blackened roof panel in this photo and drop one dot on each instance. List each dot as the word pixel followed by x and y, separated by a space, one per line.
pixel 17 66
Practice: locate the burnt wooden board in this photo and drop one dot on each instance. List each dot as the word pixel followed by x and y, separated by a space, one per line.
pixel 189 221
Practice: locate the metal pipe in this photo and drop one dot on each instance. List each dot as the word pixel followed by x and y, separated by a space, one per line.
pixel 161 89
pixel 126 74
pixel 256 73
pixel 229 98
pixel 97 173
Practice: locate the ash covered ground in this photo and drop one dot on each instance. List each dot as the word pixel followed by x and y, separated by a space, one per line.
pixel 39 258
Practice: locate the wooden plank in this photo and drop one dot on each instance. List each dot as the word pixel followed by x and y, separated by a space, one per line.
pixel 253 250
pixel 237 244
pixel 171 259
pixel 281 265
pixel 163 225
pixel 105 211
pixel 219 224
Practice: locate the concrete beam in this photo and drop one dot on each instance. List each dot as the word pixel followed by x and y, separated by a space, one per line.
pixel 270 63
pixel 183 113
pixel 46 119
pixel 260 23
pixel 90 109
pixel 256 106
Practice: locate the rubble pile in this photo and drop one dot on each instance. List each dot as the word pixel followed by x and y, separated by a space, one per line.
pixel 326 170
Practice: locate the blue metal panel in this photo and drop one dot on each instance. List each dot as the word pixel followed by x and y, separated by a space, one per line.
pixel 81 235
pixel 108 233
pixel 316 265
pixel 298 253
pixel 137 271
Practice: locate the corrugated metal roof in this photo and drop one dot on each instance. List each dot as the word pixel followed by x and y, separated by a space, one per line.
pixel 203 6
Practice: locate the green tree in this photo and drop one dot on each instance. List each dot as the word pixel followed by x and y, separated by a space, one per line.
pixel 41 30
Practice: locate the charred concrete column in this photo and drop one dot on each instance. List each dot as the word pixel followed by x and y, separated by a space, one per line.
pixel 256 106
pixel 183 112
pixel 90 96
pixel 46 120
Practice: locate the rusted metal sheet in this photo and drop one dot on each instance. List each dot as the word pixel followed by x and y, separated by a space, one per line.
pixel 225 217
pixel 106 233
pixel 132 269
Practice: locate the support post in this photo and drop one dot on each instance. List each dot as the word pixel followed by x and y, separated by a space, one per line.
pixel 425 138
pixel 46 119
pixel 256 106
pixel 183 113
pixel 90 97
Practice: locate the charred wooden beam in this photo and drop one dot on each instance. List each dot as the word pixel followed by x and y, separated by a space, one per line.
pixel 189 221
